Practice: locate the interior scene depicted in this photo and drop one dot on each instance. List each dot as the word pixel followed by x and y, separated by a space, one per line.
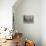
pixel 22 23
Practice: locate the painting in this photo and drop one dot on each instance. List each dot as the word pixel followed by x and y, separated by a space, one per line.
pixel 28 19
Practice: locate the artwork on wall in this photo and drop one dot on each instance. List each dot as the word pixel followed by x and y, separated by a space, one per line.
pixel 28 19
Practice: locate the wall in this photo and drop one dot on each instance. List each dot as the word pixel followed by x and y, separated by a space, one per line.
pixel 6 13
pixel 43 22
pixel 6 16
pixel 30 31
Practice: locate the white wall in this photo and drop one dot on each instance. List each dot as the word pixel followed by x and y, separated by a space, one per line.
pixel 31 31
pixel 6 16
pixel 43 22
pixel 6 13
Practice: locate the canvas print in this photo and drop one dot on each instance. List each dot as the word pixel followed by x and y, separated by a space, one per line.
pixel 28 19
